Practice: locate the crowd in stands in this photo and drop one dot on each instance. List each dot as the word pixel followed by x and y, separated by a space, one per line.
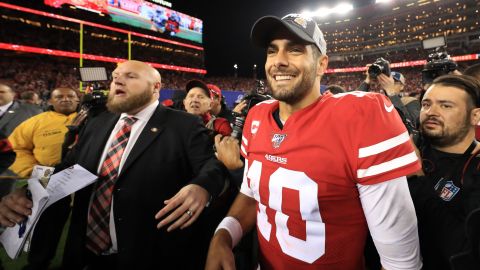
pixel 398 56
pixel 43 73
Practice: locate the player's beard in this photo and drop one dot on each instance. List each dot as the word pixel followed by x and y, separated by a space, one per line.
pixel 299 90
pixel 133 102
pixel 447 136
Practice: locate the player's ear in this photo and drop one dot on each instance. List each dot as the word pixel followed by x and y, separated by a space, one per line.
pixel 322 64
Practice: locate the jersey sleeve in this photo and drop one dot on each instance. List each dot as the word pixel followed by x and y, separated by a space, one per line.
pixel 383 146
pixel 246 136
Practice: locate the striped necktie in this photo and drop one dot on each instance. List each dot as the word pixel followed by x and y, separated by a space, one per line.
pixel 98 234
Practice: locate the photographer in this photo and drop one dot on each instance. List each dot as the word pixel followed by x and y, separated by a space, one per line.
pixel 243 107
pixel 393 84
pixel 219 107
pixel 447 188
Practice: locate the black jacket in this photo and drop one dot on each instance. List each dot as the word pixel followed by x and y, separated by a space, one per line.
pixel 172 151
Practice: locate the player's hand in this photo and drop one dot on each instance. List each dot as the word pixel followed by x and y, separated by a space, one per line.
pixel 14 208
pixel 228 152
pixel 185 207
pixel 220 254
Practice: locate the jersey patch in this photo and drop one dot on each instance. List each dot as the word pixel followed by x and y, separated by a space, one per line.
pixel 277 140
pixel 254 127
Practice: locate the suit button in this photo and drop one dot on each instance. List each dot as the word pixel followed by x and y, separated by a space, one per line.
pixel 119 219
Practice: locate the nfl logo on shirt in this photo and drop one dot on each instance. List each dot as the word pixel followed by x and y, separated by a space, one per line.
pixel 277 139
pixel 448 191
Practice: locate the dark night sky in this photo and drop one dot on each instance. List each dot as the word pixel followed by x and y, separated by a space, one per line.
pixel 227 27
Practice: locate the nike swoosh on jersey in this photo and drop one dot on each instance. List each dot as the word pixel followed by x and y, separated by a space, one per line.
pixel 388 108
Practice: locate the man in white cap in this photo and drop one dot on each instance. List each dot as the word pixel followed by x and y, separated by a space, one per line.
pixel 319 170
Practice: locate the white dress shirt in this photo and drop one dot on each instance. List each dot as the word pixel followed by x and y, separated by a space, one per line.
pixel 4 108
pixel 142 118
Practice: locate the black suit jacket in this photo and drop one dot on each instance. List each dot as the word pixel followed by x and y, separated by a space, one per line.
pixel 15 115
pixel 172 151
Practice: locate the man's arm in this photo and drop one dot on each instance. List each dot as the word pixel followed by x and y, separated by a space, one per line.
pixel 22 143
pixel 220 254
pixel 392 222
pixel 209 180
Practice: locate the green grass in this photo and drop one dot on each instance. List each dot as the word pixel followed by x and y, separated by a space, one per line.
pixel 9 264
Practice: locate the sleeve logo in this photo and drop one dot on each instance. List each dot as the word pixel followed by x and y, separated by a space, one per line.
pixel 254 127
pixel 388 108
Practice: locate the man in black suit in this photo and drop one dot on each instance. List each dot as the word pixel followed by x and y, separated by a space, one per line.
pixel 168 164
pixel 12 112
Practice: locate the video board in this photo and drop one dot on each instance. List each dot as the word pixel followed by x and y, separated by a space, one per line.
pixel 142 14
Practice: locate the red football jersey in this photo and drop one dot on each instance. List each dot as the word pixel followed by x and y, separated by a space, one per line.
pixel 304 177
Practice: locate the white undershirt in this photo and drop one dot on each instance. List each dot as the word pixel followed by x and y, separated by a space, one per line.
pixel 142 118
pixel 392 222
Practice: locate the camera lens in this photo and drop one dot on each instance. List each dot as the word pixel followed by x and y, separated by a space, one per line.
pixel 374 70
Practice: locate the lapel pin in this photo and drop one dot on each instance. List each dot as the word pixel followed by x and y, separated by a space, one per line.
pixel 154 129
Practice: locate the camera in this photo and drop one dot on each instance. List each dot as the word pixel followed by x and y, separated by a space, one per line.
pixel 438 63
pixel 253 98
pixel 95 96
pixel 378 67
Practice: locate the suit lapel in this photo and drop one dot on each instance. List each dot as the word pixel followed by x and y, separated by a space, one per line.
pixel 103 130
pixel 9 114
pixel 152 130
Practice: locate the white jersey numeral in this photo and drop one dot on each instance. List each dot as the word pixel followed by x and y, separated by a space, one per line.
pixel 313 247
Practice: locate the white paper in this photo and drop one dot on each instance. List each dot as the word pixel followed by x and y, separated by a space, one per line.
pixel 60 185
pixel 10 238
pixel 67 182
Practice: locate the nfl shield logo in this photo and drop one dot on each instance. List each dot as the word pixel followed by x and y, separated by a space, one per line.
pixel 446 189
pixel 277 139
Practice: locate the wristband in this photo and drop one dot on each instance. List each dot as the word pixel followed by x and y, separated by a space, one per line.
pixel 233 227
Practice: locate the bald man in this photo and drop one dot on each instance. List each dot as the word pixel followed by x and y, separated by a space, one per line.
pixel 157 172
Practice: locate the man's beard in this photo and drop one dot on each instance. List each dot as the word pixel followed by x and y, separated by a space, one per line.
pixel 298 91
pixel 130 104
pixel 446 138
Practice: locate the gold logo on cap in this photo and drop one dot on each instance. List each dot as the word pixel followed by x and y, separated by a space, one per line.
pixel 301 21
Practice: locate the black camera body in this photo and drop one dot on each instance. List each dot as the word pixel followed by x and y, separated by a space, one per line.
pixel 438 63
pixel 95 98
pixel 378 67
pixel 252 99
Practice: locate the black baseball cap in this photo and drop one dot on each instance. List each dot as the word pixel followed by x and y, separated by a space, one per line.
pixel 301 26
pixel 197 83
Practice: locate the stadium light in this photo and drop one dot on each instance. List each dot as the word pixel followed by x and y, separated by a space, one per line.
pixel 382 1
pixel 340 9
